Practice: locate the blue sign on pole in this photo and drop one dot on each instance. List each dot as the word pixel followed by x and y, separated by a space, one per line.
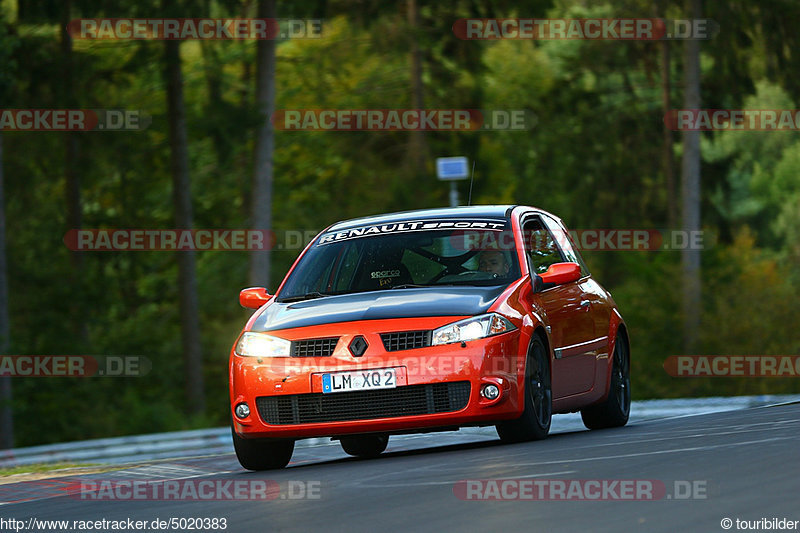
pixel 451 168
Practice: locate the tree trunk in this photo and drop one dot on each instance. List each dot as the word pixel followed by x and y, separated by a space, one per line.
pixel 212 68
pixel 182 198
pixel 71 175
pixel 6 413
pixel 666 146
pixel 261 207
pixel 243 159
pixel 417 146
pixel 690 259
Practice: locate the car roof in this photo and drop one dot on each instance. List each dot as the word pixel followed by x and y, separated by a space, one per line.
pixel 472 211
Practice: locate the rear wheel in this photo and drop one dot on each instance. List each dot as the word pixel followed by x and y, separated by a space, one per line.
pixel 534 424
pixel 364 445
pixel 262 454
pixel 615 410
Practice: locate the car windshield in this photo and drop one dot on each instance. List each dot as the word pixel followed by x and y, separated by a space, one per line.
pixel 405 255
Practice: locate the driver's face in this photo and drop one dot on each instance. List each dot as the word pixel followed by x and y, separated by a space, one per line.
pixel 493 262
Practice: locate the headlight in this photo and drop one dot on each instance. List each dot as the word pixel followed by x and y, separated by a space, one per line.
pixel 262 345
pixel 471 328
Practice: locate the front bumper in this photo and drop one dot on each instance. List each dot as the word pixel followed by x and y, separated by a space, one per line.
pixel 437 386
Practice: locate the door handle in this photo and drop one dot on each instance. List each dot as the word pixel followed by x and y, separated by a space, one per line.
pixel 586 304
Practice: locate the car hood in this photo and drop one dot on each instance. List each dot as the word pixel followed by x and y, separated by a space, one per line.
pixel 375 305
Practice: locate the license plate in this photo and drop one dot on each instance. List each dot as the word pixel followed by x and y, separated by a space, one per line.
pixel 384 378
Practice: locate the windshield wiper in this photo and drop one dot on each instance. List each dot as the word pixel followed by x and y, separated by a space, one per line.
pixel 306 296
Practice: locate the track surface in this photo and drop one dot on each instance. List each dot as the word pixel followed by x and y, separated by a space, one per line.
pixel 747 460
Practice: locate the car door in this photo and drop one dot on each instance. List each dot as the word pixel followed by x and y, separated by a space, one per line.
pixel 599 299
pixel 568 309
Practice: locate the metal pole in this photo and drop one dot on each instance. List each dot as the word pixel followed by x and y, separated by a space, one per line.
pixel 453 194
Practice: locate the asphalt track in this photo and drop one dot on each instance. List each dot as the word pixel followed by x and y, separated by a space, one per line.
pixel 745 464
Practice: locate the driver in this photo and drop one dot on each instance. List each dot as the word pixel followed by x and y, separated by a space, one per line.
pixel 493 262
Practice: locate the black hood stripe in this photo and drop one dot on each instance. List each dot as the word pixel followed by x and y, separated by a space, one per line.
pixel 379 305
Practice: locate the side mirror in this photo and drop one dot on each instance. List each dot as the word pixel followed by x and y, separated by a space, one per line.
pixel 254 297
pixel 537 283
pixel 559 273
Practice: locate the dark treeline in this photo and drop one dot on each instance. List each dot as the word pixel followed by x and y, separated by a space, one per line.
pixel 599 156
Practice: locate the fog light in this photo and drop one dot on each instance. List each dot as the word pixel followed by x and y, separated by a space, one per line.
pixel 490 392
pixel 242 410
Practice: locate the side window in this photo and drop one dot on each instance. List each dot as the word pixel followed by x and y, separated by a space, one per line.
pixel 540 247
pixel 567 246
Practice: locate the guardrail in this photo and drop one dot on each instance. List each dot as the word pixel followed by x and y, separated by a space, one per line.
pixel 124 449
pixel 138 448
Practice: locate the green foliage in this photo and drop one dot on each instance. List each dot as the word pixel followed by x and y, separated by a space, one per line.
pixel 763 173
pixel 593 158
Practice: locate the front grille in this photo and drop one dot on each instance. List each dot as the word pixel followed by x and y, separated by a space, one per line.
pixel 314 347
pixel 364 405
pixel 406 340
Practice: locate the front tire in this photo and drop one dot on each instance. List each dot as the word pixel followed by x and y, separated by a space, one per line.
pixel 534 424
pixel 614 412
pixel 364 445
pixel 262 454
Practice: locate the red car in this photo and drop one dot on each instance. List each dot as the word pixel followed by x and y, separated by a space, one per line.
pixel 423 321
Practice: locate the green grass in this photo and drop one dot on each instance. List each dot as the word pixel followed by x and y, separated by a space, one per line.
pixel 41 467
